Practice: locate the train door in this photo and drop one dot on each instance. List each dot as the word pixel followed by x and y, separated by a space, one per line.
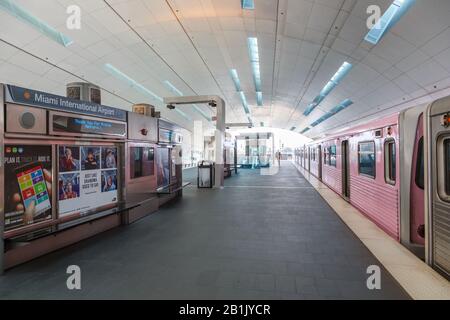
pixel 319 161
pixel 309 159
pixel 437 187
pixel 345 169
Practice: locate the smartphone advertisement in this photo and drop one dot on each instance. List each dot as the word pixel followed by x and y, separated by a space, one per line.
pixel 28 181
pixel 87 178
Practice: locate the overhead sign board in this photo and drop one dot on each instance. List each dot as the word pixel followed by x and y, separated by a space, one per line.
pixel 41 99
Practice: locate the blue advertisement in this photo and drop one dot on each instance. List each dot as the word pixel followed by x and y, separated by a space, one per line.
pixel 41 99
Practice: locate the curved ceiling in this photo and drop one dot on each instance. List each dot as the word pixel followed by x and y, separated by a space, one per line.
pixel 193 44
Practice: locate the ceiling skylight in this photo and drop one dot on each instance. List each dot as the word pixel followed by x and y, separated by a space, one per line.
pixel 20 13
pixel 334 81
pixel 392 15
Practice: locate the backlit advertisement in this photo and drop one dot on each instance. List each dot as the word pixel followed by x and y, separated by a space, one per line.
pixel 28 180
pixel 87 178
pixel 163 167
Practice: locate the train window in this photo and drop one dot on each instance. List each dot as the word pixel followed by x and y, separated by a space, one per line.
pixel 366 158
pixel 390 162
pixel 447 166
pixel 332 156
pixel 420 173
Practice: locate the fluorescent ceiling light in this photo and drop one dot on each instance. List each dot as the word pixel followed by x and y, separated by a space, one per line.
pixel 293 128
pixel 305 130
pixel 334 81
pixel 133 83
pixel 244 102
pixel 343 105
pixel 17 11
pixel 248 4
pixel 235 78
pixel 261 124
pixel 173 89
pixel 237 84
pixel 254 61
pixel 259 99
pixel 392 15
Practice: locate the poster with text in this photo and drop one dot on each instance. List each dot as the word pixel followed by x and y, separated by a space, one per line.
pixel 163 167
pixel 28 184
pixel 92 184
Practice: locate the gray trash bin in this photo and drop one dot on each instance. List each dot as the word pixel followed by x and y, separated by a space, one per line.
pixel 206 174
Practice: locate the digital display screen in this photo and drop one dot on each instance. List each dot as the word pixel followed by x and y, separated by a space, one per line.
pixel 165 135
pixel 33 189
pixel 88 126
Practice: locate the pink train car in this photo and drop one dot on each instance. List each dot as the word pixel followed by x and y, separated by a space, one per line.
pixel 396 171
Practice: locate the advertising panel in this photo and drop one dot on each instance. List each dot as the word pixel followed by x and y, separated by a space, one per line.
pixel 163 167
pixel 87 178
pixel 28 180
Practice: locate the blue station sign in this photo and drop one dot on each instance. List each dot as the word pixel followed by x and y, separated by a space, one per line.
pixel 41 99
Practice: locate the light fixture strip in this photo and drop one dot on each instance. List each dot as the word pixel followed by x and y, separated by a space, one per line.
pixel 305 130
pixel 244 102
pixel 17 11
pixel 392 15
pixel 253 51
pixel 259 99
pixel 237 84
pixel 235 78
pixel 133 83
pixel 343 105
pixel 343 70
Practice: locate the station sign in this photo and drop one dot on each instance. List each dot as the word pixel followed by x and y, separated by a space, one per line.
pixel 41 99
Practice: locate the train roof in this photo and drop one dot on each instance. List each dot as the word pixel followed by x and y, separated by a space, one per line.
pixel 384 121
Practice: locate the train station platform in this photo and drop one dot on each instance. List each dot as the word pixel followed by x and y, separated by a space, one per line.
pixel 261 237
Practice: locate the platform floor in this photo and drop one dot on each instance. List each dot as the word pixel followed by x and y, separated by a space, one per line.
pixel 261 237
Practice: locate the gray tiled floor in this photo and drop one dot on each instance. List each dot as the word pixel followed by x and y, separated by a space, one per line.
pixel 276 239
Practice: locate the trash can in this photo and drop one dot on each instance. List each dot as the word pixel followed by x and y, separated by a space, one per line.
pixel 206 174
